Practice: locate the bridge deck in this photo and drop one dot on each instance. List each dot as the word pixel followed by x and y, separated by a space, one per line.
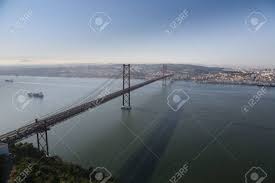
pixel 47 122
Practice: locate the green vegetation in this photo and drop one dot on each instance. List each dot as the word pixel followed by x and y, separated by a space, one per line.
pixel 32 166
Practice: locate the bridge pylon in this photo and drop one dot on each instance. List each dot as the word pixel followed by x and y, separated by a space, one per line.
pixel 164 71
pixel 126 98
pixel 42 139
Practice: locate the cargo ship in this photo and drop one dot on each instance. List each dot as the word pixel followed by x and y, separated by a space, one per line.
pixel 266 84
pixel 36 95
pixel 9 80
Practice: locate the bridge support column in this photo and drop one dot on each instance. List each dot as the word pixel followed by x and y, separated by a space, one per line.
pixel 126 98
pixel 42 140
pixel 164 70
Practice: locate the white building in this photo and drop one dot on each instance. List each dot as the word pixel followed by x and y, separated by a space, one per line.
pixel 4 149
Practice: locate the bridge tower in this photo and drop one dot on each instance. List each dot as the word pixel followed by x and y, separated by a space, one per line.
pixel 164 70
pixel 126 98
pixel 42 139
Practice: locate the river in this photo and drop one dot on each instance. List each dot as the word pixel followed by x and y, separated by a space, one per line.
pixel 151 143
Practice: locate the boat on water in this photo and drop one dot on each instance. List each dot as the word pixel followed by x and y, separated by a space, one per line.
pixel 9 80
pixel 266 85
pixel 36 95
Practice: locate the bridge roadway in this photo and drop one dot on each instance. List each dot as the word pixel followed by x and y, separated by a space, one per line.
pixel 40 125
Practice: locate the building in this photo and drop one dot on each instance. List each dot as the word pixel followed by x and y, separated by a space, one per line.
pixel 4 149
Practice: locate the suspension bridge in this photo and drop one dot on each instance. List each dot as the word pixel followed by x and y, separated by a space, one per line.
pixel 40 127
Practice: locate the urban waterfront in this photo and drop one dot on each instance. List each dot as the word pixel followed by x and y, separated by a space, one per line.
pixel 211 132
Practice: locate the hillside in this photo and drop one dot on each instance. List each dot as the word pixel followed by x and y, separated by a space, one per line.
pixel 32 166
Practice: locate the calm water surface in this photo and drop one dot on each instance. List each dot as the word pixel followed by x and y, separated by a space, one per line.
pixel 151 143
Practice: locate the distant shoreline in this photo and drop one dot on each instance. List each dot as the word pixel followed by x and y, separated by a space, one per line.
pixel 237 83
pixel 260 84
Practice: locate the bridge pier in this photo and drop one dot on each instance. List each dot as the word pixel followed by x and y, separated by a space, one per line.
pixel 42 140
pixel 126 98
pixel 164 70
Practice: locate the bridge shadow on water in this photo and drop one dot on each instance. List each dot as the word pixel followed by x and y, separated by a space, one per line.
pixel 141 165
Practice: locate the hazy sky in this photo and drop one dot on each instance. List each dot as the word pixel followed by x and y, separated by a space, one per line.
pixel 211 32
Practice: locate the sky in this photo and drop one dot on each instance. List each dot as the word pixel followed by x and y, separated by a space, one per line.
pixel 205 32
